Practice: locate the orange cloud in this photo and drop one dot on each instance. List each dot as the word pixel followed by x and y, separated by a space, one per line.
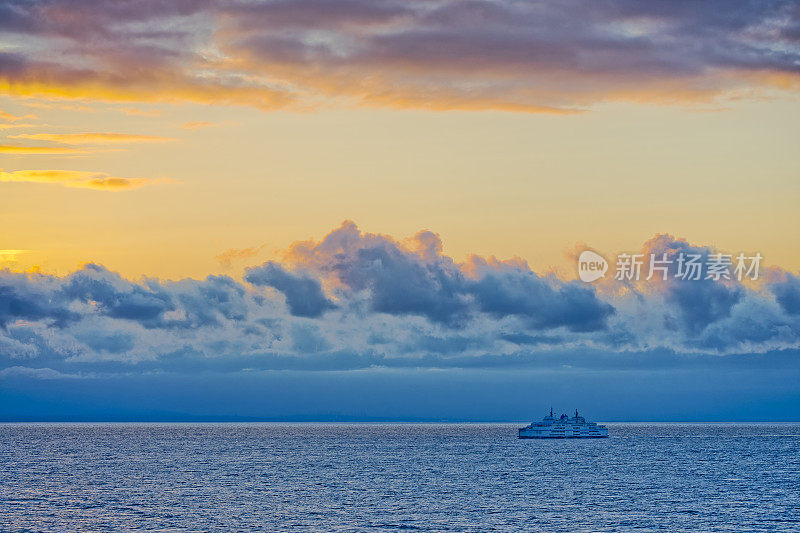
pixel 39 150
pixel 68 85
pixel 227 257
pixel 136 112
pixel 196 125
pixel 75 179
pixel 8 116
pixel 19 126
pixel 92 138
pixel 62 107
pixel 10 256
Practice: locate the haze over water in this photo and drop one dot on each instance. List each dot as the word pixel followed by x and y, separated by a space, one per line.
pixel 389 477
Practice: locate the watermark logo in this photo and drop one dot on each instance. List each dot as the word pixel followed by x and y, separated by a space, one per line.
pixel 591 266
pixel 684 266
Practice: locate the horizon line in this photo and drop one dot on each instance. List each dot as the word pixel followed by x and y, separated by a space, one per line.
pixel 345 420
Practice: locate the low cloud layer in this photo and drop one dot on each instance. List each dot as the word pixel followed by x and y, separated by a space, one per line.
pixel 555 57
pixel 356 300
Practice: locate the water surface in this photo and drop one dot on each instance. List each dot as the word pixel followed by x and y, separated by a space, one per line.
pixel 390 477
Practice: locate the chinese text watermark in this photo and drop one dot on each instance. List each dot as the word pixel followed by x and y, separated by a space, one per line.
pixel 684 266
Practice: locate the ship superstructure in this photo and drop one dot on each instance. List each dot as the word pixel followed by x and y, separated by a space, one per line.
pixel 564 427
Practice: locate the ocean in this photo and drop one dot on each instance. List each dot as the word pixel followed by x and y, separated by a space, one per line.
pixel 394 477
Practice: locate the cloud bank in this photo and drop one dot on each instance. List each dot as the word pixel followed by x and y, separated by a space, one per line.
pixel 554 57
pixel 357 300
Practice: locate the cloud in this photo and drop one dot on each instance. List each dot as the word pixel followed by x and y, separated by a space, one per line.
pixel 303 294
pixel 786 288
pixel 187 304
pixel 198 125
pixel 227 257
pixel 38 373
pixel 82 108
pixel 698 302
pixel 356 300
pixel 414 278
pixel 543 303
pixel 92 138
pixel 122 78
pixel 11 255
pixel 112 296
pixel 13 118
pixel 430 54
pixel 40 150
pixel 75 179
pixel 18 126
pixel 136 112
pixel 31 298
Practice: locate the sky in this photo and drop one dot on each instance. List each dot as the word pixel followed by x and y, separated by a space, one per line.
pixel 346 209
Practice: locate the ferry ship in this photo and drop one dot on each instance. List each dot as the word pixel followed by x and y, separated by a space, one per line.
pixel 563 427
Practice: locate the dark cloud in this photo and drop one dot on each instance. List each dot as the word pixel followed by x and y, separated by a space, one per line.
pixel 698 302
pixel 543 303
pixel 440 54
pixel 15 17
pixel 206 302
pixel 399 284
pixel 118 298
pixel 414 278
pixel 158 304
pixel 12 65
pixel 787 292
pixel 115 342
pixel 317 14
pixel 304 295
pixel 31 298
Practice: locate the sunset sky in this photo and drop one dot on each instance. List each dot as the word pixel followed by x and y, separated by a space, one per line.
pixel 469 148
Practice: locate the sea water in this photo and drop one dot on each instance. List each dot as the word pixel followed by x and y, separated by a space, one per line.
pixel 390 477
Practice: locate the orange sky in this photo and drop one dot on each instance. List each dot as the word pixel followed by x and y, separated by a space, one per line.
pixel 490 183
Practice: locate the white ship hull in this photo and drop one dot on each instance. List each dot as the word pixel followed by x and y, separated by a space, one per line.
pixel 537 434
